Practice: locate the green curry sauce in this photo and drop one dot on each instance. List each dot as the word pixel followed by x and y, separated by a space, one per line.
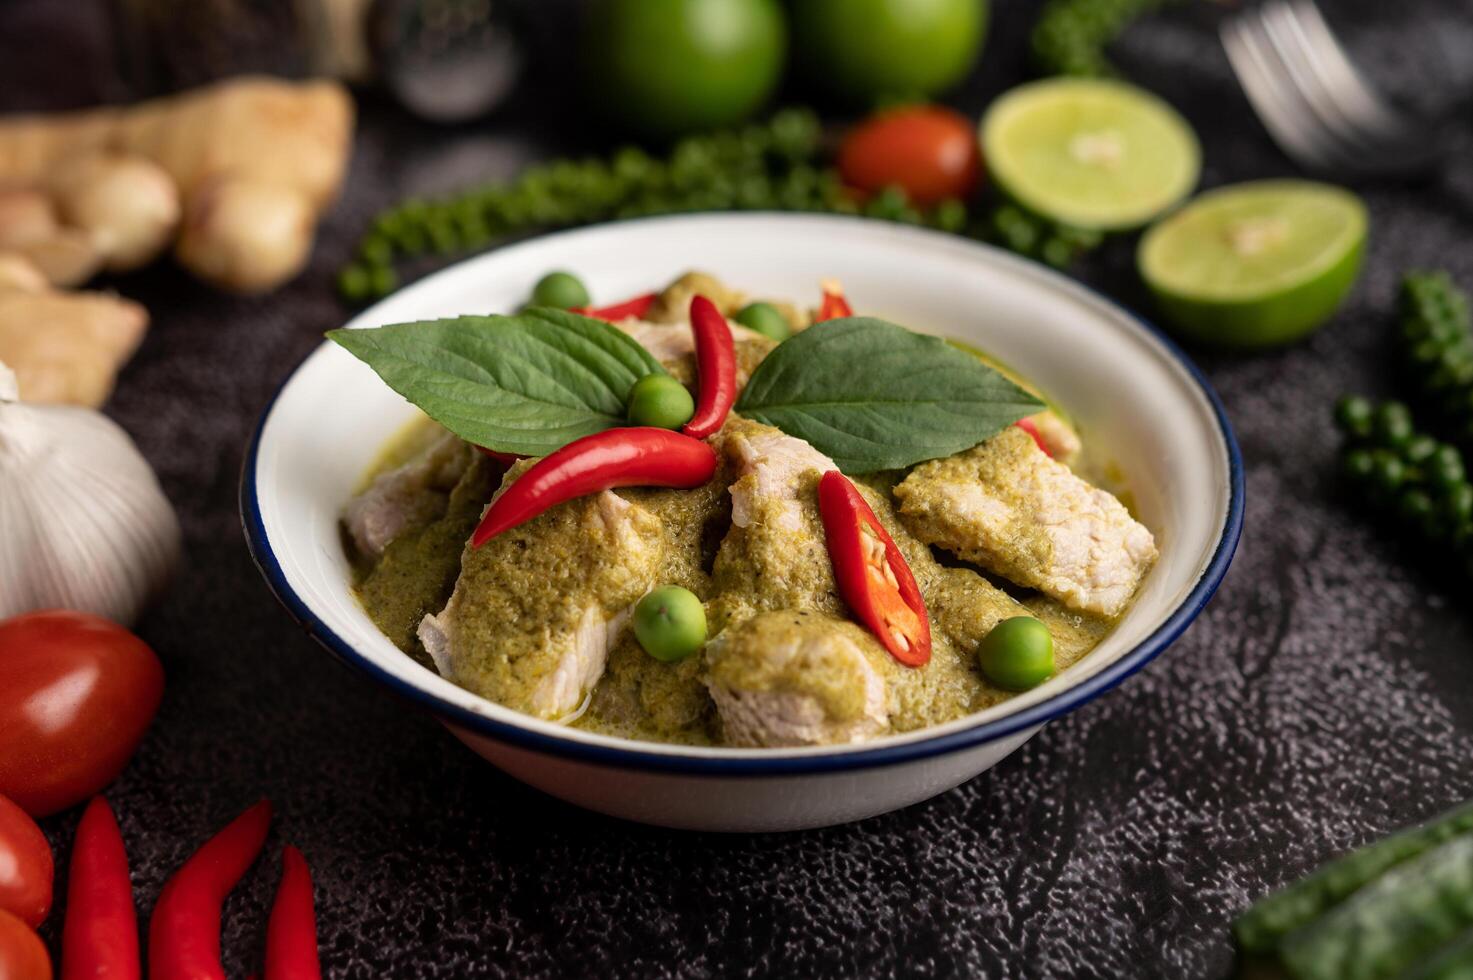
pixel 758 591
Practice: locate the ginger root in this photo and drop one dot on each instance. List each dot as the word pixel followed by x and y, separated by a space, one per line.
pixel 287 143
pixel 128 205
pixel 26 216
pixel 63 347
pixel 20 274
pixel 28 226
pixel 247 234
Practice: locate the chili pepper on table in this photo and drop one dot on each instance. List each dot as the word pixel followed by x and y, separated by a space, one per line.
pixel 99 938
pixel 291 931
pixel 871 573
pixel 834 304
pixel 639 456
pixel 715 368
pixel 184 933
pixel 636 307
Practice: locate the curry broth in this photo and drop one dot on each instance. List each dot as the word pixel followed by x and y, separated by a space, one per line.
pixel 699 549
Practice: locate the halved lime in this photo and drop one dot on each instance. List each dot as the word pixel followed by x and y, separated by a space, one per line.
pixel 1255 264
pixel 1090 153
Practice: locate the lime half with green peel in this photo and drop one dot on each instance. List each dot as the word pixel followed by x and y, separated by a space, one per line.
pixel 1257 264
pixel 1090 153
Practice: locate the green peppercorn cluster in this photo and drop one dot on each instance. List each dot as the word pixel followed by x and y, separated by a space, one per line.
pixel 1070 36
pixel 772 166
pixel 1437 346
pixel 1408 474
pixel 1028 234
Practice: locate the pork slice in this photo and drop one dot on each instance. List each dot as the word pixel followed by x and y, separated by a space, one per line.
pixel 1008 507
pixel 672 341
pixel 407 496
pixel 772 469
pixel 537 608
pixel 789 678
pixel 786 668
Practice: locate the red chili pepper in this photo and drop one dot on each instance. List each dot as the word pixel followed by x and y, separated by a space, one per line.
pixel 632 457
pixel 506 459
pixel 291 932
pixel 184 933
pixel 715 368
pixel 100 936
pixel 871 573
pixel 636 307
pixel 834 304
pixel 1028 426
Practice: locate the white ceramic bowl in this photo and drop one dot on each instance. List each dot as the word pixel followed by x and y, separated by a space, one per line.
pixel 1133 393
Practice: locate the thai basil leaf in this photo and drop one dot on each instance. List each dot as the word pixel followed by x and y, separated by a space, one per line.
pixel 524 384
pixel 874 396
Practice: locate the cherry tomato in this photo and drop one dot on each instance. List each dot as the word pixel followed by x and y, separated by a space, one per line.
pixel 929 151
pixel 25 866
pixel 22 954
pixel 77 692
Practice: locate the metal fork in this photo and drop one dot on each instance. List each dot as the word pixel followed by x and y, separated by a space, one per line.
pixel 1314 102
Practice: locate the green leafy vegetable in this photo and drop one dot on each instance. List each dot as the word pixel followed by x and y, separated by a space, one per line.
pixel 524 384
pixel 1265 926
pixel 874 396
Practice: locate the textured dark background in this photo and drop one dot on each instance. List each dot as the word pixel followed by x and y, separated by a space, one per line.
pixel 1324 698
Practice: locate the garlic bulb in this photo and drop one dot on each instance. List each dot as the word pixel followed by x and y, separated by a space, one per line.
pixel 83 522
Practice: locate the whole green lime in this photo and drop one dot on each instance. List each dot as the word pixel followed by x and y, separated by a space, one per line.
pixel 870 51
pixel 667 67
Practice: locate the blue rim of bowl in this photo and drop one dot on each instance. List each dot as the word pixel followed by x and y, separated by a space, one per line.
pixel 632 757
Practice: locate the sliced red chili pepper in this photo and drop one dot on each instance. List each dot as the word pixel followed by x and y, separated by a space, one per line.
pixel 184 933
pixel 291 931
pixel 506 459
pixel 100 935
pixel 834 304
pixel 641 456
pixel 636 307
pixel 871 573
pixel 1030 427
pixel 715 369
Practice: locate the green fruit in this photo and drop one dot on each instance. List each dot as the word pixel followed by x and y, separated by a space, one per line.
pixel 766 319
pixel 560 289
pixel 1258 264
pixel 667 67
pixel 661 401
pixel 868 51
pixel 1359 464
pixel 1419 450
pixel 1354 415
pixel 1393 425
pixel 1089 153
pixel 1388 473
pixel 1017 654
pixel 670 623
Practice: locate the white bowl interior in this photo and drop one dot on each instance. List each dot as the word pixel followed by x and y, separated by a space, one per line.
pixel 1119 381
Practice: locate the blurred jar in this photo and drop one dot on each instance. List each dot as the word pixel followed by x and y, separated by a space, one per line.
pixel 446 60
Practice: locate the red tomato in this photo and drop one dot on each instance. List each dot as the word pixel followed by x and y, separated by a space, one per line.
pixel 77 692
pixel 22 954
pixel 929 151
pixel 25 866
